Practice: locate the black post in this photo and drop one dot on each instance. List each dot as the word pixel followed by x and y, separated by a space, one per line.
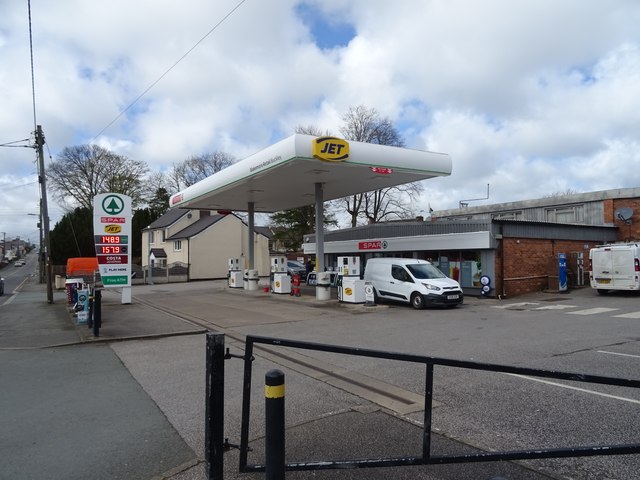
pixel 214 407
pixel 428 407
pixel 274 415
pixel 97 312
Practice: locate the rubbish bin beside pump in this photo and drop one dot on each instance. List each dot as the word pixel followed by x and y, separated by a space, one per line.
pixel 323 286
pixel 252 280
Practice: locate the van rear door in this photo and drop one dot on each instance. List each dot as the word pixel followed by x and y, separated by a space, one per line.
pixel 623 268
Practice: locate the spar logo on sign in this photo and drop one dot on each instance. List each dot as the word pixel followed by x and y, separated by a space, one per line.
pixel 112 204
pixel 112 228
pixel 330 149
pixel 373 245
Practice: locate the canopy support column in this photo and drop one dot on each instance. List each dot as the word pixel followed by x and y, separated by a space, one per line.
pixel 319 228
pixel 250 248
pixel 323 285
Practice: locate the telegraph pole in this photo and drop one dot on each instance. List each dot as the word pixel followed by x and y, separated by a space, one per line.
pixel 44 214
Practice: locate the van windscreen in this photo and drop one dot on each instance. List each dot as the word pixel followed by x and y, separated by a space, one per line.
pixel 425 271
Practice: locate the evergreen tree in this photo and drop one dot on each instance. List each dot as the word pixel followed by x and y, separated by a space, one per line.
pixel 290 226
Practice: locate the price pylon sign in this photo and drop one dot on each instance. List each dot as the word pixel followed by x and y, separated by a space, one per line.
pixel 112 234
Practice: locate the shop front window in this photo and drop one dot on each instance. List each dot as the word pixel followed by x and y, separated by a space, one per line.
pixel 463 266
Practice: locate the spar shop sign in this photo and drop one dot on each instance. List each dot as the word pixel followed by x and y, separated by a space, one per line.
pixel 112 235
pixel 373 245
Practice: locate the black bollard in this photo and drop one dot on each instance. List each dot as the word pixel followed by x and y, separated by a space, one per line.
pixel 274 416
pixel 97 312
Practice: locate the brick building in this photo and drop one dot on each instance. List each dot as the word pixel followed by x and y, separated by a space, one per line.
pixel 515 244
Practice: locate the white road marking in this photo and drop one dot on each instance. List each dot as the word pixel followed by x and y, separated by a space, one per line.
pixel 593 311
pixel 556 307
pixel 628 315
pixel 617 353
pixel 512 305
pixel 584 390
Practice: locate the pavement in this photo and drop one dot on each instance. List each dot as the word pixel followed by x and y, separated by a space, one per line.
pixel 129 403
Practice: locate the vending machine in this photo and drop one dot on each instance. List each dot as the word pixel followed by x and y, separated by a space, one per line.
pixel 350 286
pixel 235 274
pixel 280 280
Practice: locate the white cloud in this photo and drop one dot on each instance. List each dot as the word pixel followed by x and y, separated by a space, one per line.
pixel 531 97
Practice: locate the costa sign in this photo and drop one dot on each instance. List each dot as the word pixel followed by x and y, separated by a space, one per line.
pixel 330 149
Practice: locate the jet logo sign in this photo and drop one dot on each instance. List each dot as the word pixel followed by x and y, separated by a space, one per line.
pixel 330 149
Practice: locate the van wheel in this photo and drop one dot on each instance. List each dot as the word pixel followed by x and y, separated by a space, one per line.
pixel 601 291
pixel 417 301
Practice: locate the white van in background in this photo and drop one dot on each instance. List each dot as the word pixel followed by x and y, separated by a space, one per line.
pixel 615 267
pixel 417 282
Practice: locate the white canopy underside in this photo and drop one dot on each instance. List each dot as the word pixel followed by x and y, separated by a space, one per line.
pixel 284 175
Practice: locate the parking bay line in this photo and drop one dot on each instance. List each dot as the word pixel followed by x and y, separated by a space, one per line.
pixel 628 315
pixel 578 389
pixel 593 311
pixel 618 353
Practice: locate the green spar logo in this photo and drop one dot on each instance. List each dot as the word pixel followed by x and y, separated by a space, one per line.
pixel 112 204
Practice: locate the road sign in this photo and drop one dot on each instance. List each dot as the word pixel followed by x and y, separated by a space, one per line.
pixel 112 235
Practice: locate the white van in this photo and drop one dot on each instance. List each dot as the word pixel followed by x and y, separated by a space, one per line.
pixel 417 282
pixel 615 267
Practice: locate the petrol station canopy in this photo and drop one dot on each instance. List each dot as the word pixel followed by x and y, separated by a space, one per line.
pixel 285 175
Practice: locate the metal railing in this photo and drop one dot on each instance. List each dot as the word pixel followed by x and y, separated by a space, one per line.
pixel 215 416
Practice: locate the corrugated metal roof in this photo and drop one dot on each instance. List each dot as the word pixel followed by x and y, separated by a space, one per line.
pixel 508 228
pixel 557 231
pixel 401 229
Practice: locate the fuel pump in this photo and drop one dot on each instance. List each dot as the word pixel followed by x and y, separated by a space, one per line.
pixel 350 286
pixel 234 275
pixel 280 280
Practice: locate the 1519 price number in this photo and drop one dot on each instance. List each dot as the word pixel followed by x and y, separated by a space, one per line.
pixel 110 249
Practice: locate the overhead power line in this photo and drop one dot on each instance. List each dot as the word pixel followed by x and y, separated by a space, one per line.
pixel 11 144
pixel 168 70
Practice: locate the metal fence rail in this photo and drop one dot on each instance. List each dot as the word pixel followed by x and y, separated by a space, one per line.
pixel 426 458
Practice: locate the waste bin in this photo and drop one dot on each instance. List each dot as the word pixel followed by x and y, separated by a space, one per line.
pixel 323 286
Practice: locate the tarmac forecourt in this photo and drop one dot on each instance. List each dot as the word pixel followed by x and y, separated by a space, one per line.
pixel 146 373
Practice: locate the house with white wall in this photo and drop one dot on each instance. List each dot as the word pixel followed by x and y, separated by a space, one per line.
pixel 203 241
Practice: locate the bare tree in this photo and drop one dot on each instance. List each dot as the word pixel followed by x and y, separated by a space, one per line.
pixel 196 168
pixel 313 130
pixel 363 124
pixel 81 172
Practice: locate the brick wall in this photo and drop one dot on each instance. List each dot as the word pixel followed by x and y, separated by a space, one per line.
pixel 531 265
pixel 626 233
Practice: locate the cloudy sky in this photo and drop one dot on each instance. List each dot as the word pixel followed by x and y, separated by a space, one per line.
pixel 531 97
